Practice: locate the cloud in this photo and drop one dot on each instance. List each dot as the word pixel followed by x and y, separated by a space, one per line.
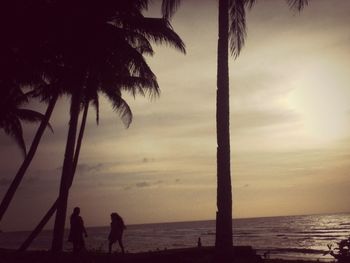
pixel 87 168
pixel 147 160
pixel 149 184
pixel 4 182
pixel 259 119
pixel 143 184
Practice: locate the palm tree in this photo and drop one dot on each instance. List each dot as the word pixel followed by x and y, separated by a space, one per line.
pixel 106 48
pixel 124 111
pixel 27 62
pixel 119 105
pixel 232 31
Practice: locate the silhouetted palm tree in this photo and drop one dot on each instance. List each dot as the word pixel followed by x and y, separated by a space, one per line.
pixel 103 47
pixel 91 96
pixel 27 61
pixel 232 30
pixel 123 109
pixel 30 51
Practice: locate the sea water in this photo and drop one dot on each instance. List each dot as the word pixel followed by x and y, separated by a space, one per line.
pixel 287 237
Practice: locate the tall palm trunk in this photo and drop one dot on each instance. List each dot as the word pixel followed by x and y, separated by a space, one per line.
pixel 79 142
pixel 53 208
pixel 67 169
pixel 29 157
pixel 223 242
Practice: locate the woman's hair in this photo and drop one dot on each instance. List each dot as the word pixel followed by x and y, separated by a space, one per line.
pixel 115 216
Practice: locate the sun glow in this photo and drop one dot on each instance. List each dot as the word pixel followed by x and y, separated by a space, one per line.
pixel 320 97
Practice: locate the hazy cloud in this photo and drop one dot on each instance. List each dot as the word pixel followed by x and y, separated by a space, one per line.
pixel 86 168
pixel 259 119
pixel 142 184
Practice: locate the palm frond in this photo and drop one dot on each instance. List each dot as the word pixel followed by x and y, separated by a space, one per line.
pixel 140 85
pixel 237 30
pixel 250 3
pixel 297 5
pixel 96 104
pixel 13 128
pixel 158 30
pixel 141 43
pixel 137 40
pixel 119 105
pixel 44 92
pixel 169 7
pixel 125 112
pixel 31 116
pixel 137 64
pixel 130 57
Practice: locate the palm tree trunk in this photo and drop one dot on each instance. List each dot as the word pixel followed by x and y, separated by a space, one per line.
pixel 79 141
pixel 67 169
pixel 39 227
pixel 223 242
pixel 29 157
pixel 53 208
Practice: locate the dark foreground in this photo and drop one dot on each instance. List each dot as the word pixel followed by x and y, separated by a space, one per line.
pixel 198 255
pixel 243 254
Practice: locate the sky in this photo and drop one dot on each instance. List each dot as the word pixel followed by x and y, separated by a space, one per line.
pixel 290 132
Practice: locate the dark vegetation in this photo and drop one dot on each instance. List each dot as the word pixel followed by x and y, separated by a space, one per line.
pixel 342 252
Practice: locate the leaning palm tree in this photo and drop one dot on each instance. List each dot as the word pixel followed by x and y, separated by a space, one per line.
pixel 92 97
pixel 232 33
pixel 29 60
pixel 106 46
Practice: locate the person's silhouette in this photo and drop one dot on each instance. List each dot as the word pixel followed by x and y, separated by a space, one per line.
pixel 77 229
pixel 116 234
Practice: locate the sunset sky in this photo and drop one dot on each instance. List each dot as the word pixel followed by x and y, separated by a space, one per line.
pixel 290 128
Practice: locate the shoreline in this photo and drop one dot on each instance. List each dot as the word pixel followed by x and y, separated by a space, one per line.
pixel 242 254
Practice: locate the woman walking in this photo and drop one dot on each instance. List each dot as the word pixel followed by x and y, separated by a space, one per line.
pixel 116 234
pixel 77 229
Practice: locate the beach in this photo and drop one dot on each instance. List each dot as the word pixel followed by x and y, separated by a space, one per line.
pixel 242 254
pixel 289 237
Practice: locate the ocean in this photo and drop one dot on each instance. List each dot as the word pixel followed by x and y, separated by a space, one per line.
pixel 286 237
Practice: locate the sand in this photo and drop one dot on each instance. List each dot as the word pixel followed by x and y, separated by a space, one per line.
pixel 194 255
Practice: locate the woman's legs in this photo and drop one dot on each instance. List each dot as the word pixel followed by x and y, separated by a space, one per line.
pixel 110 247
pixel 75 246
pixel 82 244
pixel 120 241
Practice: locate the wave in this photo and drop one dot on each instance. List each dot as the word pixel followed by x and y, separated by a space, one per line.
pixel 296 236
pixel 294 250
